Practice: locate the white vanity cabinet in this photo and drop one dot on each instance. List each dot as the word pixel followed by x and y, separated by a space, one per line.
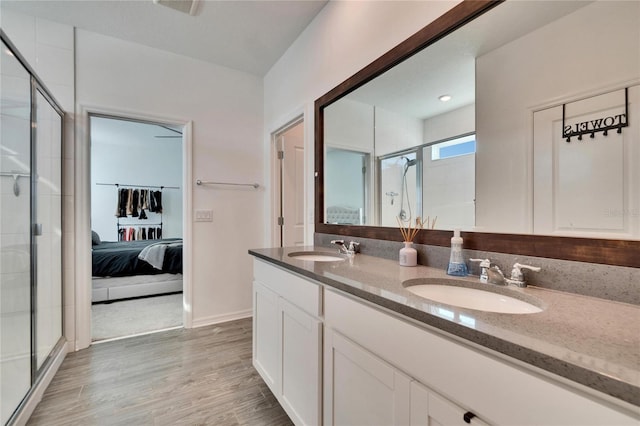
pixel 430 409
pixel 360 388
pixel 334 359
pixel 287 338
pixel 448 378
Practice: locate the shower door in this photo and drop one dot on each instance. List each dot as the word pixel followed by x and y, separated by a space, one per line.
pixel 400 187
pixel 15 234
pixel 30 231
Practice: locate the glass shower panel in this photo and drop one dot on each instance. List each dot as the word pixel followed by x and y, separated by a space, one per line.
pixel 15 235
pixel 48 228
pixel 400 188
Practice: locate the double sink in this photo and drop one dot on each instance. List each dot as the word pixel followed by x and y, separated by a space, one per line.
pixel 454 292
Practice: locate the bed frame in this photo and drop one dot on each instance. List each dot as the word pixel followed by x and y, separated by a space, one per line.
pixel 106 289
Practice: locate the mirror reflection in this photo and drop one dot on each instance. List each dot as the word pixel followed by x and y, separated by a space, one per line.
pixel 470 130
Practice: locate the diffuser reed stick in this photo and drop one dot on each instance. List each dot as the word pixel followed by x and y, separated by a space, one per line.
pixel 410 231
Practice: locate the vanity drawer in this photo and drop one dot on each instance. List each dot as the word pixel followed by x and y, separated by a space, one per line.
pixel 301 292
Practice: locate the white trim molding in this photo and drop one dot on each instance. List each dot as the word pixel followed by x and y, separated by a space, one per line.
pixel 82 162
pixel 218 319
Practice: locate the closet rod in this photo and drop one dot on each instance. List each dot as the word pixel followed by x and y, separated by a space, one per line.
pixel 138 186
pixel 205 182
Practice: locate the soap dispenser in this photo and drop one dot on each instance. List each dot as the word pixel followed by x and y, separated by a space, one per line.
pixel 457 267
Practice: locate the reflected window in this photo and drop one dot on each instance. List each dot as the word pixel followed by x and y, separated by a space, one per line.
pixel 454 148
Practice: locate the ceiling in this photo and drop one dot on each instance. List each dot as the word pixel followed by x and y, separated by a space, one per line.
pixel 448 67
pixel 244 35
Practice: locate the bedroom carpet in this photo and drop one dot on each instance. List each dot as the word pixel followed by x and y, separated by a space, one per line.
pixel 135 316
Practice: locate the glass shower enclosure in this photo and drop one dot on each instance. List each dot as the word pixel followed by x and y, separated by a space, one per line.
pixel 30 230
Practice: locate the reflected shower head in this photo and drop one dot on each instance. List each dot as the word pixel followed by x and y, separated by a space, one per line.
pixel 409 162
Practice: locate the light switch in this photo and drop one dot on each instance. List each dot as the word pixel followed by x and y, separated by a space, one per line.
pixel 204 215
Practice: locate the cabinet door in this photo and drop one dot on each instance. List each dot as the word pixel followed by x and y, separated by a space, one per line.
pixel 360 388
pixel 430 409
pixel 301 366
pixel 266 336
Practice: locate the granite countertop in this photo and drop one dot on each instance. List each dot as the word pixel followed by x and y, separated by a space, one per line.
pixel 591 341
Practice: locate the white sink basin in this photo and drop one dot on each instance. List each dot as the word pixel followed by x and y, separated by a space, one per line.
pixel 472 298
pixel 315 256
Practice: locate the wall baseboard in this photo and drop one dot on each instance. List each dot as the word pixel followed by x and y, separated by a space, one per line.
pixel 217 319
pixel 34 396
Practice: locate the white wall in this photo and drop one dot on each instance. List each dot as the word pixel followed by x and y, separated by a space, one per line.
pixel 514 79
pixel 343 38
pixel 395 132
pixel 349 125
pixel 448 188
pixel 226 109
pixel 135 159
pixel 454 123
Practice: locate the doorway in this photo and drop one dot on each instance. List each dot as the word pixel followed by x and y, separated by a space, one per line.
pixel 136 226
pixel 289 185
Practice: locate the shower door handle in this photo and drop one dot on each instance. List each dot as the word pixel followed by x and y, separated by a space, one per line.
pixel 37 229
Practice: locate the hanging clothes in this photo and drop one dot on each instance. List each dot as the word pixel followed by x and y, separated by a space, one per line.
pixel 143 205
pixel 145 202
pixel 122 202
pixel 159 233
pixel 155 198
pixel 135 200
pixel 129 201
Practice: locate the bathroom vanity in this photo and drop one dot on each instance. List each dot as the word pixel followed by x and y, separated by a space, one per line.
pixel 344 342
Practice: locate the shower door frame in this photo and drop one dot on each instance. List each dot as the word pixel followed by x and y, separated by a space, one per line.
pixel 53 359
pixel 418 151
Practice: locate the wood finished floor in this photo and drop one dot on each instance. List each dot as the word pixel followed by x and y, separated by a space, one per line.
pixel 200 376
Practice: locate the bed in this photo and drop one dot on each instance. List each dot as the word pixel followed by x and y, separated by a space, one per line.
pixel 118 272
pixel 344 215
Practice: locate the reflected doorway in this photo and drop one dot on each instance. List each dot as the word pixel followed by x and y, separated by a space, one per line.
pixel 347 195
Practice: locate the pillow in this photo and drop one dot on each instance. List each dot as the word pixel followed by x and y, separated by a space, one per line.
pixel 95 238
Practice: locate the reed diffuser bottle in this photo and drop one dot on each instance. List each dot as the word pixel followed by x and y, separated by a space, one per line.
pixel 408 255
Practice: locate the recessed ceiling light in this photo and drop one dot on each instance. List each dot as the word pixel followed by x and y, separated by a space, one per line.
pixel 445 98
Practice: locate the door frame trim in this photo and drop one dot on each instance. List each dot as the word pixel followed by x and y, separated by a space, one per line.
pixel 81 313
pixel 276 178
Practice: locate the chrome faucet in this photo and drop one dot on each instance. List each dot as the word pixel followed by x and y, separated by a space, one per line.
pixel 517 276
pixel 495 276
pixel 350 249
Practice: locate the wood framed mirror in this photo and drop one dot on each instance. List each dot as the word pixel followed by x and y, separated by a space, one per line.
pixel 605 250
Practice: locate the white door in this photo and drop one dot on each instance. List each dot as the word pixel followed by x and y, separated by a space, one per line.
pixel 301 383
pixel 430 409
pixel 589 186
pixel 360 388
pixel 266 336
pixel 291 142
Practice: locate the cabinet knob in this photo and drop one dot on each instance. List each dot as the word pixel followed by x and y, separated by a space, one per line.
pixel 468 416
